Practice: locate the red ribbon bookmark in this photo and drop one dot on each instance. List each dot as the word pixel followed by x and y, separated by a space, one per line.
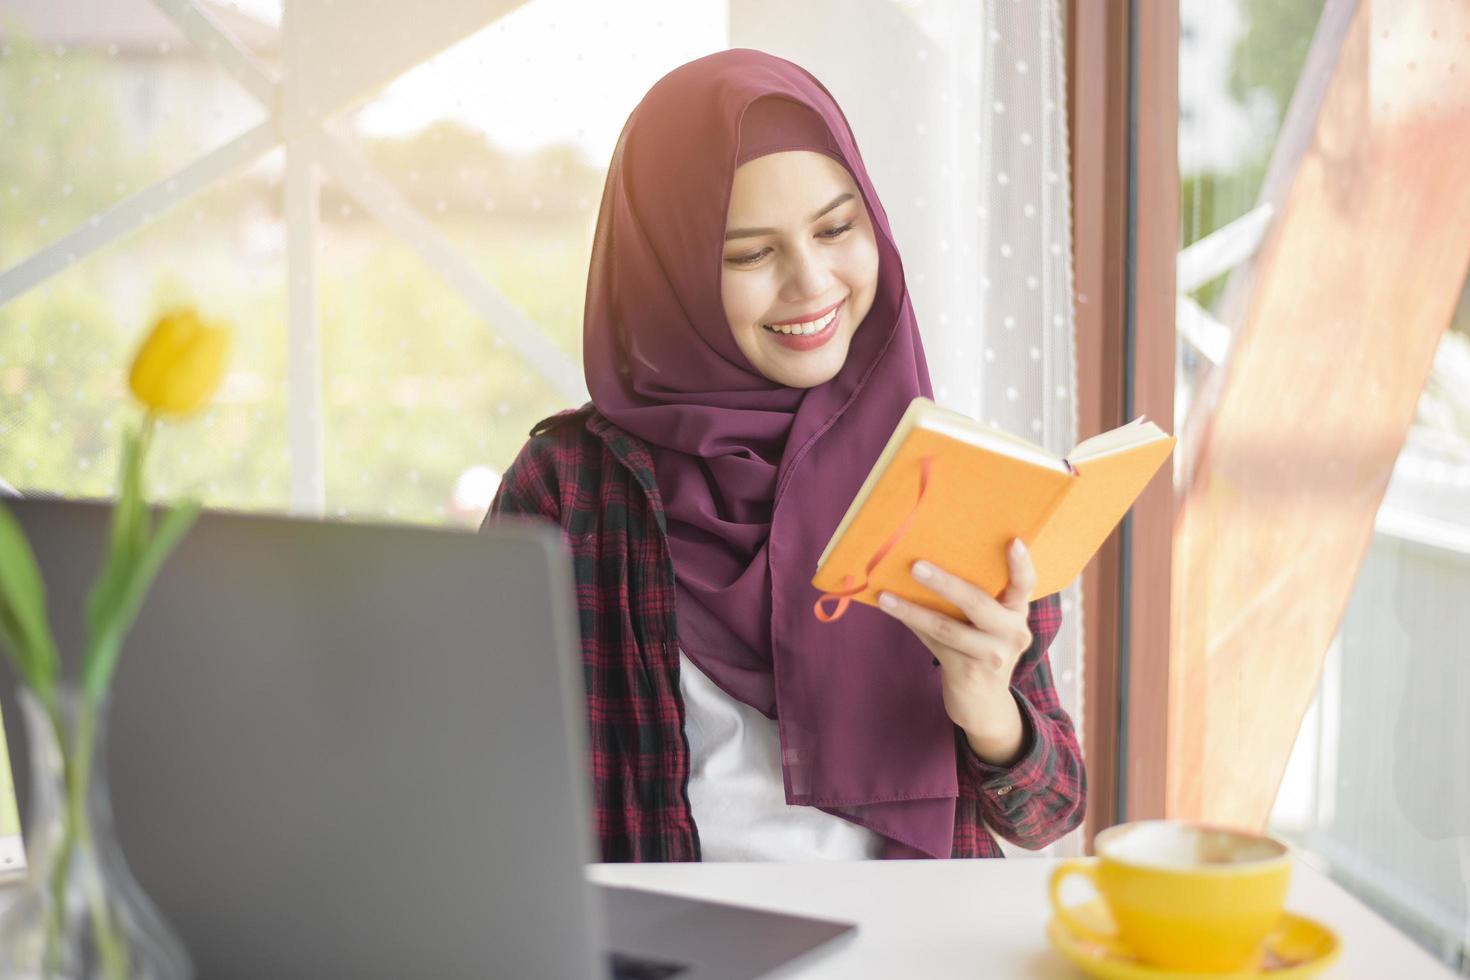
pixel 844 595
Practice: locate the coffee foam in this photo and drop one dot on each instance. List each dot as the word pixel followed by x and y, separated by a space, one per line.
pixel 1165 845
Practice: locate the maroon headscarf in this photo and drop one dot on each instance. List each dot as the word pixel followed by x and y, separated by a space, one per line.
pixel 754 475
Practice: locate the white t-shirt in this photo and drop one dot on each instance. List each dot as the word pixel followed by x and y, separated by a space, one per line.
pixel 735 787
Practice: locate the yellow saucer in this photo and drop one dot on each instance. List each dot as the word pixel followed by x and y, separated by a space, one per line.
pixel 1297 948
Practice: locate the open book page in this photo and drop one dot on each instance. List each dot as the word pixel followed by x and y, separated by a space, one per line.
pixel 965 429
pixel 1105 487
pixel 1134 433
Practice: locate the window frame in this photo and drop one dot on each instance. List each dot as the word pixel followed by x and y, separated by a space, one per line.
pixel 1123 94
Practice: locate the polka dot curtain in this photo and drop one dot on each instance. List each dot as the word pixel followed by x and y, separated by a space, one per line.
pixel 959 110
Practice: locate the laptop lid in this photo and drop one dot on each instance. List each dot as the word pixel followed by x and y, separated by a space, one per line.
pixel 343 750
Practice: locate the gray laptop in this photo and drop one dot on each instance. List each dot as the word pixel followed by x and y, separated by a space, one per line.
pixel 358 751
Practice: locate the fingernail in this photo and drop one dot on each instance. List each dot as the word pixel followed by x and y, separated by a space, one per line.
pixel 923 571
pixel 887 601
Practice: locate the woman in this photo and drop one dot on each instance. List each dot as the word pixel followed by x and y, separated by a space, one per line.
pixel 749 346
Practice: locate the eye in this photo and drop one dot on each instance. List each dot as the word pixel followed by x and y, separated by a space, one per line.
pixel 751 258
pixel 748 259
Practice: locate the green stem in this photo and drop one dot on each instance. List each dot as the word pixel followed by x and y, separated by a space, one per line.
pixel 112 947
pixel 61 863
pixel 145 439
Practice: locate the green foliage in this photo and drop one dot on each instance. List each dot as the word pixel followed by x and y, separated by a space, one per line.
pixel 447 167
pixel 134 554
pixel 1270 53
pixel 63 158
pixel 1208 202
pixel 113 606
pixel 1268 59
pixel 25 632
pixel 417 387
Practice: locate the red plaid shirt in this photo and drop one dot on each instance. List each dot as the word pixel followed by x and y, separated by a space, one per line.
pixel 597 483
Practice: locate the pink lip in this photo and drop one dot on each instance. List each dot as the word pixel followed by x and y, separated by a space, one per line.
pixel 805 342
pixel 810 316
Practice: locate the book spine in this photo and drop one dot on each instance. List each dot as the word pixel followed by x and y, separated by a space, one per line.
pixel 1051 508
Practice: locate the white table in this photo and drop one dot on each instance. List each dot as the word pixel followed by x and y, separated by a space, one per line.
pixel 976 919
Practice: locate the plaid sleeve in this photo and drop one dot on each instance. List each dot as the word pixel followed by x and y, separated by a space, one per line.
pixel 531 486
pixel 1043 795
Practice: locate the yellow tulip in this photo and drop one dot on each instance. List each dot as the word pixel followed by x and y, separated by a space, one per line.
pixel 180 364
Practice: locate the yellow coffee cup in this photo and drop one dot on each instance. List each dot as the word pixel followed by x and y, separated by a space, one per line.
pixel 1183 896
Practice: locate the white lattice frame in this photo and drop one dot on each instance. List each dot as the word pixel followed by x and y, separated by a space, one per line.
pixel 315 143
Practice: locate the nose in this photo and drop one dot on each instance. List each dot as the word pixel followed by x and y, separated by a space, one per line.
pixel 807 276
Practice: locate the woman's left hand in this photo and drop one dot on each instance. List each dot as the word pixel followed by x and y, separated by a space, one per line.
pixel 977 654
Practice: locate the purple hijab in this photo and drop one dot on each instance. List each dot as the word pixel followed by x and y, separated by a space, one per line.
pixel 755 476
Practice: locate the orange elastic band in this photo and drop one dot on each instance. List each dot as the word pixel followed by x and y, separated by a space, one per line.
pixel 844 595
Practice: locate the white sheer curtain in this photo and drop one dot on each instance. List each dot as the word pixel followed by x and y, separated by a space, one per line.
pixel 959 111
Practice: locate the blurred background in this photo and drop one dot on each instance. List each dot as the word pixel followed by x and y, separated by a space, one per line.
pixel 441 250
pixel 493 142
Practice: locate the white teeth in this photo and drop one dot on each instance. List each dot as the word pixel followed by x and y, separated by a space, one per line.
pixel 810 327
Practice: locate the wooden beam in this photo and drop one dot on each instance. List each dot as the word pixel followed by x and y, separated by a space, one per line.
pixel 1152 354
pixel 1125 358
pixel 1125 263
pixel 1097 99
pixel 1350 296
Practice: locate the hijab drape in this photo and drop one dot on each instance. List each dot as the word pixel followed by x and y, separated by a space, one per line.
pixel 754 476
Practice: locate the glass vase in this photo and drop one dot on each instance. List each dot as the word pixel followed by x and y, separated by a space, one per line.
pixel 80 914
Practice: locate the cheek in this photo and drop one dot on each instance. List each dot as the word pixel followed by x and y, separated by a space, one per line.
pixel 743 299
pixel 865 266
pixel 857 267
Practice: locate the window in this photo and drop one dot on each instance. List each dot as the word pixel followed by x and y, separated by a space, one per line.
pixel 1324 462
pixel 441 246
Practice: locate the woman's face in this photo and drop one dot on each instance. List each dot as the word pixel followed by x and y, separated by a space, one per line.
pixel 800 255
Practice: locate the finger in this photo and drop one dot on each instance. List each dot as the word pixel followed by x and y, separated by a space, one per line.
pixel 935 628
pixel 979 607
pixel 986 655
pixel 1017 594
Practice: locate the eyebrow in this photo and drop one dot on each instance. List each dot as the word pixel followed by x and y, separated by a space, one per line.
pixel 752 232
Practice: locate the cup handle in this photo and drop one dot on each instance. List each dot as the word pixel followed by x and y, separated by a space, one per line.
pixel 1087 868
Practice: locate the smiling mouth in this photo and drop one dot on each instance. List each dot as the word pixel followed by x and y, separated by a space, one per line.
pixel 809 335
pixel 805 328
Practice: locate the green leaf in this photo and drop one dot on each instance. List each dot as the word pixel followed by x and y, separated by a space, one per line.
pixel 23 623
pixel 16 648
pixel 122 605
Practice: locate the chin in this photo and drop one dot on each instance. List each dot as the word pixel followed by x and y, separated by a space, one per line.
pixel 806 379
pixel 802 382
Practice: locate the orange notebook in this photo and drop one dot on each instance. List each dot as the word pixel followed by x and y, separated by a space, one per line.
pixel 954 491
